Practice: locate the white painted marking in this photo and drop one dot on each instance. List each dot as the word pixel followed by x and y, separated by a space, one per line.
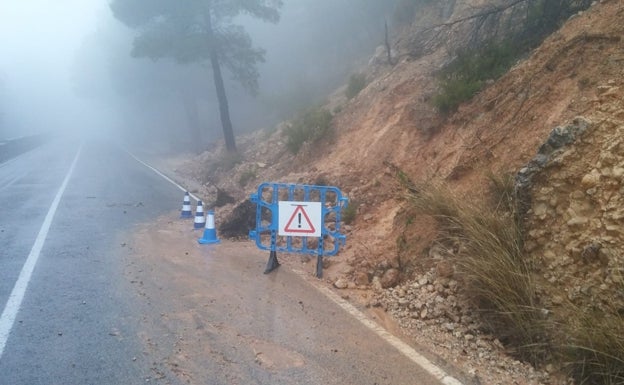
pixel 12 306
pixel 162 175
pixel 401 346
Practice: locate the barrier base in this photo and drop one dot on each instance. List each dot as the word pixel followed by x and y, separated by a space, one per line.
pixel 205 241
pixel 319 266
pixel 273 263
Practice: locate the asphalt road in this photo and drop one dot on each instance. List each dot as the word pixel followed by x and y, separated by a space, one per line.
pixel 96 311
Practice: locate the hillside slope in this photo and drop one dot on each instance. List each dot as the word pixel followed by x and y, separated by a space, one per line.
pixel 573 190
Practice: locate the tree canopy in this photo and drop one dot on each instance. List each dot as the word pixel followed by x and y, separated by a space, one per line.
pixel 200 31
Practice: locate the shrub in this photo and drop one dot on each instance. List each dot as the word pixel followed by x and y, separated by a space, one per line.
pixel 465 76
pixel 247 176
pixel 349 213
pixel 310 126
pixel 357 82
pixel 405 10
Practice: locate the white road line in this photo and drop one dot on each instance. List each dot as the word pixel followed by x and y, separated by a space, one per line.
pixel 162 175
pixel 401 346
pixel 17 294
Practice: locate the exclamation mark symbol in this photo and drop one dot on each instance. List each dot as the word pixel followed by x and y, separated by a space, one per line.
pixel 299 216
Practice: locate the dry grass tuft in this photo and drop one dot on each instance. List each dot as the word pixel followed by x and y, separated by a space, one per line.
pixel 490 261
pixel 487 245
pixel 594 348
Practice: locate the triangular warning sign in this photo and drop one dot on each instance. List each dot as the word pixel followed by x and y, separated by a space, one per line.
pixel 299 222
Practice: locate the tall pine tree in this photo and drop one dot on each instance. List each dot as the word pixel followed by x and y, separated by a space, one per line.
pixel 200 31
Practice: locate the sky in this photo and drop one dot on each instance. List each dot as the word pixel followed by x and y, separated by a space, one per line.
pixel 38 43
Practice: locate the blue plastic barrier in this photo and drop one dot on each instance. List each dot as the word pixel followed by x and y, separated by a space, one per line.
pixel 305 210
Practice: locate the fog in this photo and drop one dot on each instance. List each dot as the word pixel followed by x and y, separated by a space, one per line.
pixel 65 67
pixel 38 41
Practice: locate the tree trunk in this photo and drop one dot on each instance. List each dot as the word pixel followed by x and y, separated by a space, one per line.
pixel 387 42
pixel 224 109
pixel 192 116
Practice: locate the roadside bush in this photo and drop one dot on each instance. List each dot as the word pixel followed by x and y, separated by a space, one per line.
pixel 247 176
pixel 310 126
pixel 405 10
pixel 350 212
pixel 460 80
pixel 357 82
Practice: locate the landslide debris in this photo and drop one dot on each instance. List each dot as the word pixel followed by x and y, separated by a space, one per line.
pixel 555 121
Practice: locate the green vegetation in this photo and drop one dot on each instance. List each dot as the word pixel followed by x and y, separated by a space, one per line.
pixel 357 82
pixel 311 126
pixel 406 10
pixel 498 50
pixel 349 213
pixel 247 176
pixel 467 74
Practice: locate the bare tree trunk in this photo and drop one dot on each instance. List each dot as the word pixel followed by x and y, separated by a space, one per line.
pixel 224 109
pixel 387 41
pixel 192 117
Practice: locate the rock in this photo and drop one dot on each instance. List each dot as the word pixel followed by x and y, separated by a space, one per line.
pixel 590 252
pixel 390 278
pixel 341 283
pixel 617 172
pixel 592 179
pixel 437 252
pixel 577 222
pixel 361 278
pixel 444 269
pixel 376 284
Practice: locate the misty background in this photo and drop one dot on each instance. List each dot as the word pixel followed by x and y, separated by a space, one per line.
pixel 65 67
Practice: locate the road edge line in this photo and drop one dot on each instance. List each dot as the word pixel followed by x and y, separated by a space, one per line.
pixel 161 175
pixel 397 343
